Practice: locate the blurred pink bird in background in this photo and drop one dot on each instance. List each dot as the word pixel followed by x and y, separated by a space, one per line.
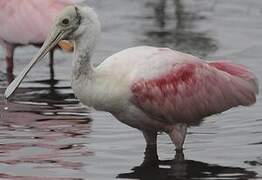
pixel 27 22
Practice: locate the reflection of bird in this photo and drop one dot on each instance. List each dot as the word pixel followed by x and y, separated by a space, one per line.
pixel 182 169
pixel 151 89
pixel 26 22
pixel 178 30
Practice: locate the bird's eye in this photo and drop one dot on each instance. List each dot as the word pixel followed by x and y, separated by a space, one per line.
pixel 65 21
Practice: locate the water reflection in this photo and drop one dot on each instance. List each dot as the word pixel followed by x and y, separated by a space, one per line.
pixel 182 169
pixel 177 30
pixel 49 136
pixel 257 162
pixel 10 75
pixel 45 134
pixel 49 95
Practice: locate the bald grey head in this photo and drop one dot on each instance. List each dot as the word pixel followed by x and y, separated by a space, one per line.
pixel 77 21
pixel 79 24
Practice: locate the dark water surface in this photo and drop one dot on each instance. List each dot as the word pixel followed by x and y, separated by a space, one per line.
pixel 47 134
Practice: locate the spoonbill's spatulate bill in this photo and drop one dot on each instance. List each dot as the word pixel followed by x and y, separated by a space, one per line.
pixel 25 22
pixel 148 88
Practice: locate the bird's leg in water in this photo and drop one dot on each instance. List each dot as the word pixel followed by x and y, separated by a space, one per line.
pixel 179 166
pixel 177 135
pixel 151 146
pixel 179 157
pixel 51 57
pixel 9 57
pixel 51 64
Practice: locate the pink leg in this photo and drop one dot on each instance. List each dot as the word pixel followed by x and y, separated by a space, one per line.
pixel 178 135
pixel 9 57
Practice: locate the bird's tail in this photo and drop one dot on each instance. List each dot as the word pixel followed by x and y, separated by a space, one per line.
pixel 243 81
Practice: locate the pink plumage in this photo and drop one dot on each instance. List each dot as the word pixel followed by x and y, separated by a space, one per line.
pixel 28 21
pixel 191 90
pixel 25 22
pixel 149 88
pixel 159 89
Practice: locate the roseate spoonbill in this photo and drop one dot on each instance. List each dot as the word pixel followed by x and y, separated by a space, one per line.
pixel 148 88
pixel 27 22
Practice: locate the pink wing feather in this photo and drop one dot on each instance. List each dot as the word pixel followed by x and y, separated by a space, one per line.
pixel 28 21
pixel 192 91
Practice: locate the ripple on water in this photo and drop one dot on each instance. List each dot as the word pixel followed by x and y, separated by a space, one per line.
pixel 39 139
pixel 46 134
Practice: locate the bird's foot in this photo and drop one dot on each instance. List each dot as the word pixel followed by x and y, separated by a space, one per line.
pixel 179 157
pixel 151 154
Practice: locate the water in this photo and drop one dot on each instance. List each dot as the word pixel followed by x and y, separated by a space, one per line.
pixel 46 134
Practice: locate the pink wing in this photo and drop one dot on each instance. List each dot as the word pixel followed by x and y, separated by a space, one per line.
pixel 192 91
pixel 28 21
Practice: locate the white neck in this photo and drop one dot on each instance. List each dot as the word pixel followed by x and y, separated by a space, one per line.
pixel 85 41
pixel 82 58
pixel 84 47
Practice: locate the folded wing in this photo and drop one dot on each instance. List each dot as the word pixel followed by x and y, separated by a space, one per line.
pixel 191 91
